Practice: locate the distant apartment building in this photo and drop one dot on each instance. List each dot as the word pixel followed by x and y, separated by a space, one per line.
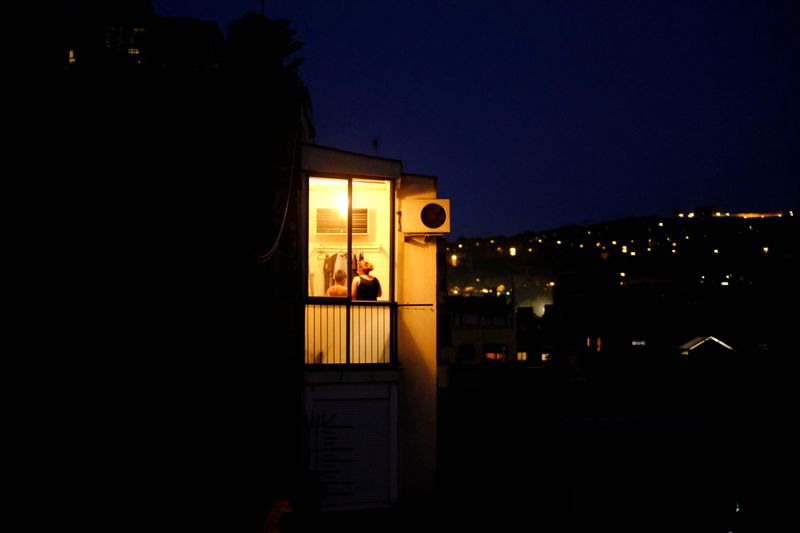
pixel 481 330
pixel 129 36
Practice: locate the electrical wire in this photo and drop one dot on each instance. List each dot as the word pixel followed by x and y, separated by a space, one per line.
pixel 263 258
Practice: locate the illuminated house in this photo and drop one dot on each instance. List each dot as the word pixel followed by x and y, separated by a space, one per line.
pixel 370 366
pixel 697 342
pixel 709 352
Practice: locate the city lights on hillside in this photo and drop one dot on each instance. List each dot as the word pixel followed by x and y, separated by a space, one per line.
pixel 720 214
pixel 640 242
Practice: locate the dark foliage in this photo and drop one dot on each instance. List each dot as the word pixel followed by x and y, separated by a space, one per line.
pixel 150 378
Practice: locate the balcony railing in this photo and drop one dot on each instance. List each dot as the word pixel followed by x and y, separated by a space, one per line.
pixel 342 334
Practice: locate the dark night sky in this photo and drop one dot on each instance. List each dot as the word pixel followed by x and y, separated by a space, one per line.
pixel 536 115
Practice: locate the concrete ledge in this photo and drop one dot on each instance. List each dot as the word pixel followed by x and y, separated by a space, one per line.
pixel 323 159
pixel 366 375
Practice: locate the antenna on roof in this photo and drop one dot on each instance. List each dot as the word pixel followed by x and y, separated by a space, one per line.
pixel 376 144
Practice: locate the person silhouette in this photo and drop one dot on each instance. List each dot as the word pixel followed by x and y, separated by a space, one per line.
pixel 338 289
pixel 365 286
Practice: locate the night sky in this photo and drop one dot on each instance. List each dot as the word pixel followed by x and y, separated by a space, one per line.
pixel 536 115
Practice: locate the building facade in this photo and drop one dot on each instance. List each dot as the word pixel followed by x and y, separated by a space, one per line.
pixel 370 364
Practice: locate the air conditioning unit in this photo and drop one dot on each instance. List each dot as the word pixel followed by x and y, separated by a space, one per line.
pixel 426 216
pixel 330 221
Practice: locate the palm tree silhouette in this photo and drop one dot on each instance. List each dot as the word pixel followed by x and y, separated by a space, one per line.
pixel 259 49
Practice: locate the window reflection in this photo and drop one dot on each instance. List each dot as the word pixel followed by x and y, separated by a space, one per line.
pixel 327 239
pixel 333 262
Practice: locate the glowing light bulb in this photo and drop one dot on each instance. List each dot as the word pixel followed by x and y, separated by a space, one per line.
pixel 340 202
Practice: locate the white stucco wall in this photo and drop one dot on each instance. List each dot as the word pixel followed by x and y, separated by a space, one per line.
pixel 416 331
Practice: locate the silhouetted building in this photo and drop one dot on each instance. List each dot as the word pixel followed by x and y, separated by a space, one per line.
pixel 158 204
pixel 129 36
pixel 482 330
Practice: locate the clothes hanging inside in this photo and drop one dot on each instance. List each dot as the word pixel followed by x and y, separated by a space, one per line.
pixel 357 256
pixel 333 263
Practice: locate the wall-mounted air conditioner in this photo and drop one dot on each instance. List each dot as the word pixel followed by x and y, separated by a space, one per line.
pixel 330 221
pixel 428 216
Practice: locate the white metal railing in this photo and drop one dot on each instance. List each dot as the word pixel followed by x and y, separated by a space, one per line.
pixel 328 341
